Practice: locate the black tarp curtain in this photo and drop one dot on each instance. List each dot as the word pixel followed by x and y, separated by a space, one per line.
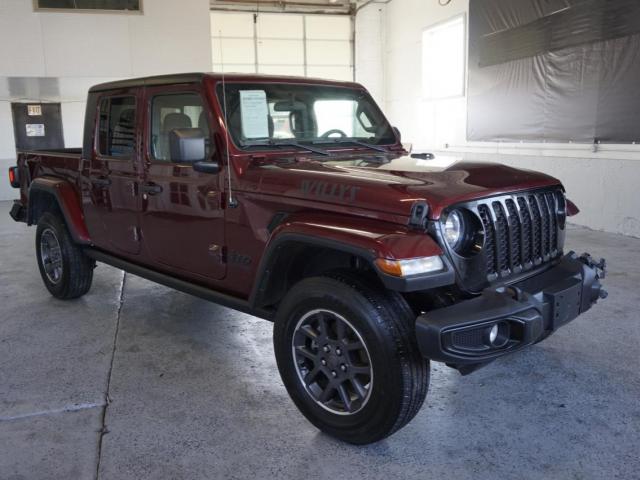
pixel 554 70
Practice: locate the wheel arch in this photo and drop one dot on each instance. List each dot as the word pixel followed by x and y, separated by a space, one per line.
pixel 51 194
pixel 293 256
pixel 306 244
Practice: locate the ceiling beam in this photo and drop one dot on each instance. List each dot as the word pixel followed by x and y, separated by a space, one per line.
pixel 339 7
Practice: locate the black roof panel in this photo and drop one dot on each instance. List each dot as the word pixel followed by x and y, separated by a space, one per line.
pixel 145 81
pixel 198 77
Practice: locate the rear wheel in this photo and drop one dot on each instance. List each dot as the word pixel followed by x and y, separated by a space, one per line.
pixel 347 355
pixel 66 271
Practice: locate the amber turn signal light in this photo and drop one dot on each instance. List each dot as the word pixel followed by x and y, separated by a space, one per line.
pixel 390 267
pixel 411 266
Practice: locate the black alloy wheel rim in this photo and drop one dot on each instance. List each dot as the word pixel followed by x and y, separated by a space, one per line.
pixel 332 362
pixel 51 256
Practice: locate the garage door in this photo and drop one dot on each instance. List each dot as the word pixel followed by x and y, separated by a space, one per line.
pixel 284 44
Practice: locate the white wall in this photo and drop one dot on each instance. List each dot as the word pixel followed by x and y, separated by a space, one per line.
pixel 388 61
pixel 57 56
pixel 370 49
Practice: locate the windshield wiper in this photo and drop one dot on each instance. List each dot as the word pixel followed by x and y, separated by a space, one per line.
pixel 353 141
pixel 285 143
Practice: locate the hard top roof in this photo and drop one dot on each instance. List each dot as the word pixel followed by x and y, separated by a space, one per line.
pixel 200 76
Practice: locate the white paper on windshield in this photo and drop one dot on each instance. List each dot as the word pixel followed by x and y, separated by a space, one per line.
pixel 255 113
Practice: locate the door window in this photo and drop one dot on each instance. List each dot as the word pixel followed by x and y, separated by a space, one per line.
pixel 116 129
pixel 172 112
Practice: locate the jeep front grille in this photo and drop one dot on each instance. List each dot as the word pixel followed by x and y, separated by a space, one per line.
pixel 521 231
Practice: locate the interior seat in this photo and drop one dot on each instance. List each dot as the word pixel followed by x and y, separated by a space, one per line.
pixel 172 121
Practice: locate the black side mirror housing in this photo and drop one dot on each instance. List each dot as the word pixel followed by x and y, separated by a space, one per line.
pixel 207 167
pixel 186 145
pixel 398 134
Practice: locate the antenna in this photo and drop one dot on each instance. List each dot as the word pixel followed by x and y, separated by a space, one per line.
pixel 231 202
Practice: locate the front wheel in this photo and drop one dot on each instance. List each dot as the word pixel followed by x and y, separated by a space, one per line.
pixel 66 271
pixel 347 355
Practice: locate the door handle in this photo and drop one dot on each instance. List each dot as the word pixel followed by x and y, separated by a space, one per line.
pixel 151 188
pixel 101 182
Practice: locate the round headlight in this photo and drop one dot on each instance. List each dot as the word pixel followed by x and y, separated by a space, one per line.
pixel 463 231
pixel 454 229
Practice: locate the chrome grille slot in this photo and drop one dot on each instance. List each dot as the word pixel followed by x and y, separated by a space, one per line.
pixel 551 202
pixel 515 232
pixel 489 238
pixel 536 230
pixel 527 231
pixel 544 224
pixel 503 237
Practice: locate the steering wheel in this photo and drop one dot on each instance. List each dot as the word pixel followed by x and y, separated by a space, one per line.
pixel 328 133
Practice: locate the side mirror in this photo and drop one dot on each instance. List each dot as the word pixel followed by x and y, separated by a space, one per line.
pixel 186 145
pixel 207 167
pixel 398 134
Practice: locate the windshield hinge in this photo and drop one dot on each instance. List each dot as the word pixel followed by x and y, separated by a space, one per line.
pixel 419 215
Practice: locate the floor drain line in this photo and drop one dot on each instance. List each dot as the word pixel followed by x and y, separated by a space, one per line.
pixel 107 398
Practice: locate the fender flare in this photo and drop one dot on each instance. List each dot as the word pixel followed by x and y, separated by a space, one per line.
pixel 66 196
pixel 358 243
pixel 572 209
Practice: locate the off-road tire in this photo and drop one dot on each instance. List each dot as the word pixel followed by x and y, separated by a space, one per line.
pixel 77 269
pixel 385 323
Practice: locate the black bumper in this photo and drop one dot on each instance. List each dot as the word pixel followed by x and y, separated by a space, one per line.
pixel 18 212
pixel 506 319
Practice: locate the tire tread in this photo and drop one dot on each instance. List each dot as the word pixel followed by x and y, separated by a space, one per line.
pixel 77 280
pixel 415 368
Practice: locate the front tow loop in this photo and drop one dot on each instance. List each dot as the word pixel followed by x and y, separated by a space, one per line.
pixel 600 269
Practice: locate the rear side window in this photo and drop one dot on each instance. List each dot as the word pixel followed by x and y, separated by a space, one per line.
pixel 116 129
pixel 176 111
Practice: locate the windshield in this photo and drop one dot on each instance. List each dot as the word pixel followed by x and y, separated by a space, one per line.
pixel 276 114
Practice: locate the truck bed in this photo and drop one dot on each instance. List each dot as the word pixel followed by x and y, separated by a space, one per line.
pixel 54 152
pixel 62 163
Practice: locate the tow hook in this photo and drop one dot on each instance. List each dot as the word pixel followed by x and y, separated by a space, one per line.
pixel 600 269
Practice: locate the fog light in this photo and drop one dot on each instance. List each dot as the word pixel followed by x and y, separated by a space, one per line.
pixel 493 334
pixel 497 335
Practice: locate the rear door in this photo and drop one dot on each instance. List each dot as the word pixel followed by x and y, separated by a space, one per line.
pixel 114 173
pixel 182 218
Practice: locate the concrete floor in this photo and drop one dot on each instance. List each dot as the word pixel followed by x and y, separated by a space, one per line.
pixel 193 390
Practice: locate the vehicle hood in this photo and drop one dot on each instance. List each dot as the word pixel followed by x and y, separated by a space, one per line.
pixel 391 184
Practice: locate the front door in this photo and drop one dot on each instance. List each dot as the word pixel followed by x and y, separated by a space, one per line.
pixel 182 220
pixel 114 174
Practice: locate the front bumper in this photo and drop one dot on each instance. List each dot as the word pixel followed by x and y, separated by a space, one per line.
pixel 506 319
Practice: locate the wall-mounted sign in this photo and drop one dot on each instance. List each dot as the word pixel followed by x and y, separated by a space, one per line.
pixel 35 129
pixel 37 132
pixel 34 110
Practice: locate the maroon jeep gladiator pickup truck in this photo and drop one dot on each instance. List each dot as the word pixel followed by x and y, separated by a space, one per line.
pixel 293 200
